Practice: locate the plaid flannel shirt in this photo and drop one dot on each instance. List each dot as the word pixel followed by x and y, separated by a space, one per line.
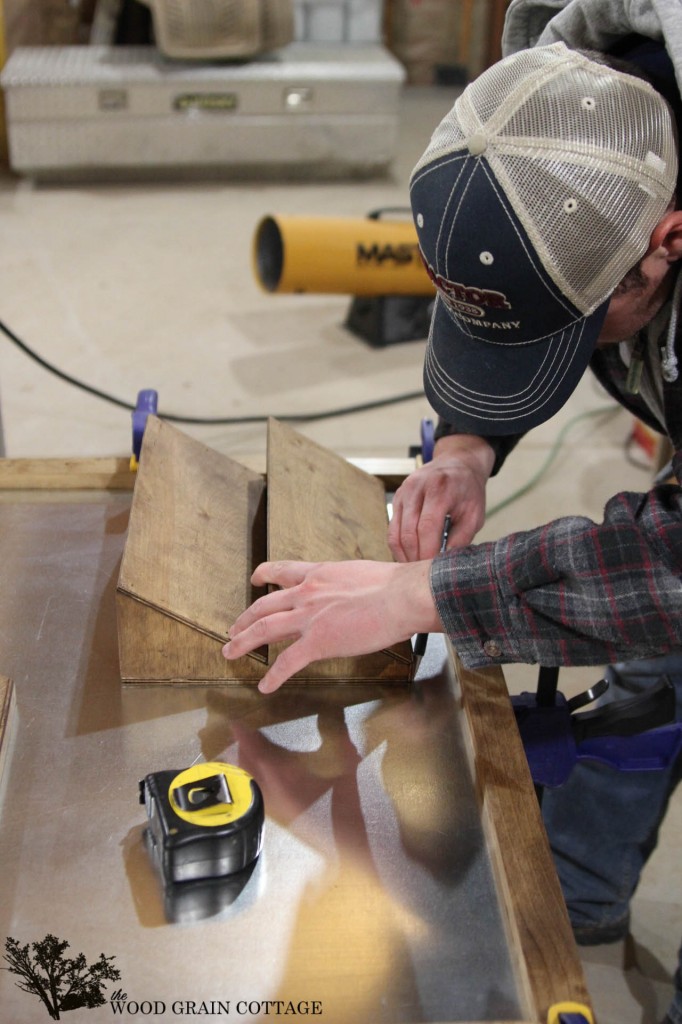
pixel 575 592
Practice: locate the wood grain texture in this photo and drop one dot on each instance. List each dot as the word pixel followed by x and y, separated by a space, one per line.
pixel 113 473
pixel 540 936
pixel 66 474
pixel 322 508
pixel 156 648
pixel 197 530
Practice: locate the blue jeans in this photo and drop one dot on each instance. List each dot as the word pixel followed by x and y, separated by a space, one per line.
pixel 603 826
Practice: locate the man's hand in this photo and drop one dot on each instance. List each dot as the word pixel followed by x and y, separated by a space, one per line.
pixel 333 610
pixel 453 482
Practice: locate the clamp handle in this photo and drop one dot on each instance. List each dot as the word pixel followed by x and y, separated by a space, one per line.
pixel 630 716
pixel 147 403
pixel 570 1013
pixel 428 439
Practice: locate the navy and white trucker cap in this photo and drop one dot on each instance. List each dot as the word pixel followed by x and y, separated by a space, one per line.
pixel 537 193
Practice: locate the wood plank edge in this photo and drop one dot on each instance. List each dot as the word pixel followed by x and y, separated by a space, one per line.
pixel 114 472
pixel 489 824
pixel 67 474
pixel 511 864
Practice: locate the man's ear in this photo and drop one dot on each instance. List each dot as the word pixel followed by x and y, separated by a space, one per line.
pixel 668 235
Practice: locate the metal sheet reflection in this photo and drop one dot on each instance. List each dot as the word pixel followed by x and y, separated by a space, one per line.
pixel 373 895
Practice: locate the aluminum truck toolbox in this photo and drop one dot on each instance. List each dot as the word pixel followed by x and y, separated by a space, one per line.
pixel 87 111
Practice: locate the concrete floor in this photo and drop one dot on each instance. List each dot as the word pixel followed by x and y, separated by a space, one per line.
pixel 134 286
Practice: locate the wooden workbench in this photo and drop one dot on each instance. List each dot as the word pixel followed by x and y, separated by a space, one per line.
pixel 405 874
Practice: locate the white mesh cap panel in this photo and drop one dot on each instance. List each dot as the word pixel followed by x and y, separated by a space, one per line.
pixel 588 228
pixel 586 157
pixel 510 80
pixel 482 101
pixel 447 138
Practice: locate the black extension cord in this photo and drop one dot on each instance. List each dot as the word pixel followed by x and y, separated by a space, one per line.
pixel 207 421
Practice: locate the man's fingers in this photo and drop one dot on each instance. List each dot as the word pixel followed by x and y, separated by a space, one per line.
pixel 403 535
pixel 270 629
pixel 460 535
pixel 280 574
pixel 339 609
pixel 394 533
pixel 291 660
pixel 270 604
pixel 270 619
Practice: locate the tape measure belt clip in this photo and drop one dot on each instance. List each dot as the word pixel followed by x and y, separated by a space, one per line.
pixel 211 792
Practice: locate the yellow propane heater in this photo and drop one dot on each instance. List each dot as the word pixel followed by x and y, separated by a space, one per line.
pixel 374 259
pixel 351 256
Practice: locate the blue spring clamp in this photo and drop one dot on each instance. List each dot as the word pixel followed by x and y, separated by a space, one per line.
pixel 428 440
pixel 630 735
pixel 147 403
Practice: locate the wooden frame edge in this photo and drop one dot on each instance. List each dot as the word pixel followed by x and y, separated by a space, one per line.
pixel 109 473
pixel 547 964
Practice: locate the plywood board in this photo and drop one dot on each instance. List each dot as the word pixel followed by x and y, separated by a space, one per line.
pixel 156 648
pixel 197 531
pixel 109 473
pixel 321 508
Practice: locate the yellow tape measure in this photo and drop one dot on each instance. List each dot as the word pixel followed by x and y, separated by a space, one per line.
pixel 204 822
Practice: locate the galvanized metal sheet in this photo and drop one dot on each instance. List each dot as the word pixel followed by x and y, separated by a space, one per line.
pixel 372 899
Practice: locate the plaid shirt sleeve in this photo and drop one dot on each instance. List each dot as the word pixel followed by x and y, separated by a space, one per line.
pixel 572 592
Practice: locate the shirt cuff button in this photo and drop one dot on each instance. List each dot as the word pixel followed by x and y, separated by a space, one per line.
pixel 492 649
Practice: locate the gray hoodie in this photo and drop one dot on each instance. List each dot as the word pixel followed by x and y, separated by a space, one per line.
pixel 594 25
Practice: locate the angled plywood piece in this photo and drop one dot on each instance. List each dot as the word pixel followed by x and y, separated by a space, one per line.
pixel 197 531
pixel 321 508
